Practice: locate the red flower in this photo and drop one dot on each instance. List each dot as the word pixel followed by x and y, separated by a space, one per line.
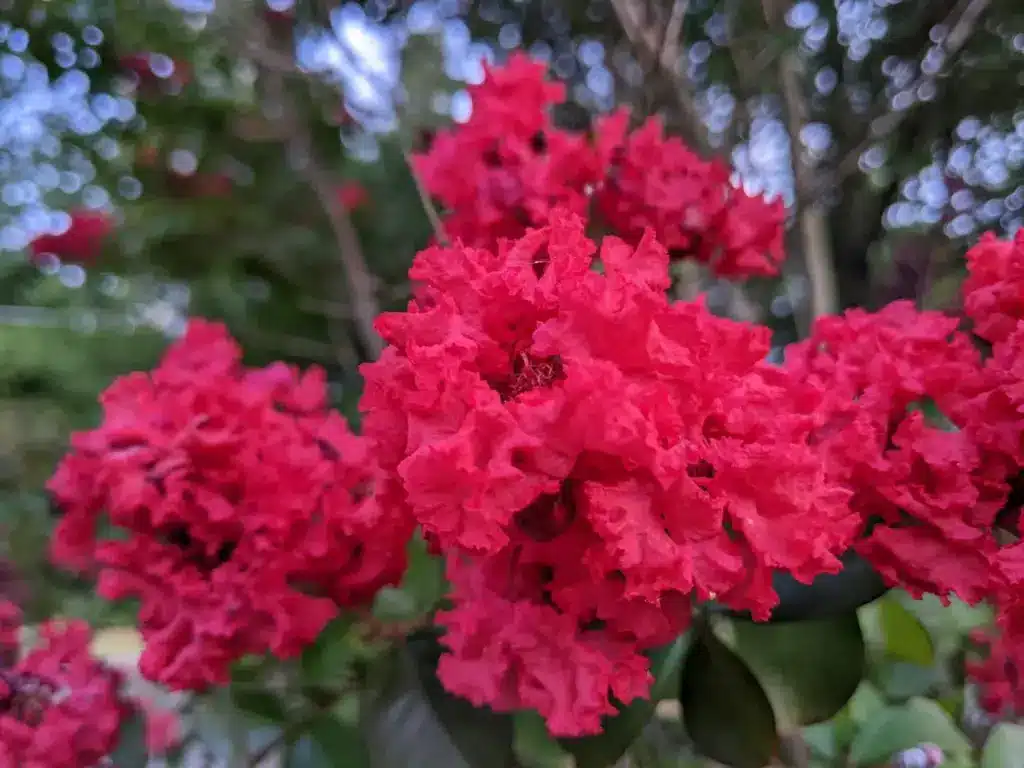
pixel 59 707
pixel 199 185
pixel 81 243
pixel 143 67
pixel 994 288
pixel 996 674
pixel 282 18
pixel 10 632
pixel 245 509
pixel 352 195
pixel 588 455
pixel 515 96
pixel 508 167
pixel 658 183
pixel 926 494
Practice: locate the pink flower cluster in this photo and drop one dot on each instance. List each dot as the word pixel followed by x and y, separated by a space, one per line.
pixel 59 706
pixel 589 457
pixel 510 166
pixel 245 509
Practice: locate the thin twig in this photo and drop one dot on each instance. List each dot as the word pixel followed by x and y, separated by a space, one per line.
pixel 357 277
pixel 428 205
pixel 962 22
pixel 812 218
pixel 663 60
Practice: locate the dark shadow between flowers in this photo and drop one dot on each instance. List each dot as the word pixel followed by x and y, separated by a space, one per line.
pixel 829 595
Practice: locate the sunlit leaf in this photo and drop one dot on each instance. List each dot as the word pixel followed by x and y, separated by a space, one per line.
pixel 809 669
pixel 896 728
pixel 1004 747
pixel 905 637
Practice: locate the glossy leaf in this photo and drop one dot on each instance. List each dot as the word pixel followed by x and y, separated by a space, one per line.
pixel 329 743
pixel 667 667
pixel 326 660
pixel 534 746
pixel 810 669
pixel 901 680
pixel 827 596
pixel 262 704
pixel 131 744
pixel 1004 747
pixel 415 722
pixel 821 741
pixel 622 729
pixel 862 707
pixel 896 728
pixel 905 637
pixel 725 711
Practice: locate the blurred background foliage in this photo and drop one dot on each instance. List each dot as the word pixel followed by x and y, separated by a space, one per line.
pixel 219 135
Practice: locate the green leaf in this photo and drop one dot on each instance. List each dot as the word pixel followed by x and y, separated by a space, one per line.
pixel 821 741
pixel 829 595
pixel 667 667
pixel 862 707
pixel 263 704
pixel 415 722
pixel 725 711
pixel 424 579
pixel 131 743
pixel 901 681
pixel 329 743
pixel 534 746
pixel 1004 747
pixel 957 618
pixel 393 604
pixel 893 729
pixel 620 731
pixel 421 590
pixel 809 669
pixel 326 660
pixel 904 635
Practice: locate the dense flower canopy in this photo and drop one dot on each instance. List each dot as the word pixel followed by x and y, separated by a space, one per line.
pixel 510 166
pixel 592 460
pixel 244 504
pixel 577 445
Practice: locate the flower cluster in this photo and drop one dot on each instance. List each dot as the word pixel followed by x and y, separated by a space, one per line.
pixel 659 183
pixel 926 498
pixel 59 707
pixel 245 509
pixel 925 429
pixel 510 166
pixel 992 412
pixel 81 243
pixel 588 456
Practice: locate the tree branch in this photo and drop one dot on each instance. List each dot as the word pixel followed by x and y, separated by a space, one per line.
pixel 812 218
pixel 661 53
pixel 962 21
pixel 357 277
